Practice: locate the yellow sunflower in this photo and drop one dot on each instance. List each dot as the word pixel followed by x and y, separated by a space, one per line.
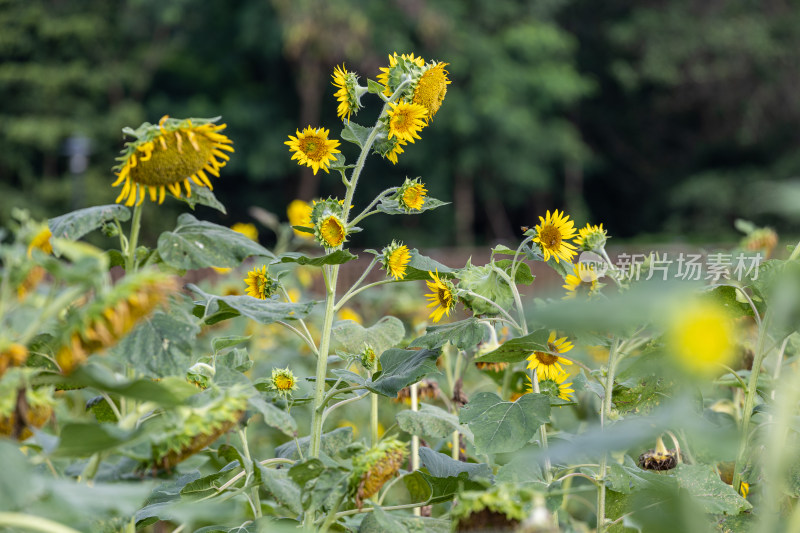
pixel 553 386
pixel 548 364
pixel 591 238
pixel 552 234
pixel 260 284
pixel 411 195
pixel 41 241
pixel 701 335
pixel 331 231
pixel 442 298
pixel 431 88
pixel 395 151
pixel 406 120
pixel 347 92
pixel 169 154
pixel 384 78
pixel 582 280
pixel 299 213
pixel 395 259
pixel 283 381
pixel 313 149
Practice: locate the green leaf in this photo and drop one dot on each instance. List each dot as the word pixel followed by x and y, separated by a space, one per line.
pixel 463 334
pixel 217 308
pixel 726 296
pixel 390 206
pixel 78 223
pixel 486 282
pixel 500 426
pixel 355 133
pixel 518 349
pixel 81 439
pixel 441 465
pixel 220 343
pixel 198 244
pixel 419 267
pixel 303 472
pixel 422 486
pixel 17 484
pixel 520 469
pixel 374 87
pixel 384 334
pixel 161 345
pixel 236 360
pixel 209 483
pixel 334 258
pixel 709 491
pixel 431 421
pixel 376 523
pixel 524 274
pixel 203 196
pixel 401 368
pixel 101 409
pixel 274 417
pixel 332 442
pixel 283 489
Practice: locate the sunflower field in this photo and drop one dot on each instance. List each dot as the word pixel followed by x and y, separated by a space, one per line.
pixel 276 393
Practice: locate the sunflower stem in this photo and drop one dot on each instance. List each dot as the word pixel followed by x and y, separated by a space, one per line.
pixel 358 282
pixel 133 241
pixel 349 295
pixel 366 212
pixel 373 417
pixel 254 491
pixel 548 467
pixel 604 414
pixel 523 324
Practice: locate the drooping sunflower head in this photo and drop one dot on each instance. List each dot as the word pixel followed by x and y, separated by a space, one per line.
pixel 107 319
pixel 260 284
pixel 373 468
pixel 553 386
pixel 41 241
pixel 659 458
pixel 406 120
pixel 552 234
pixel 430 88
pixel 548 364
pixel 701 336
pixel 299 213
pixel 329 227
pixel 411 195
pixel 313 149
pixel 23 407
pixel 392 149
pixel 591 238
pixel 400 69
pixel 395 259
pixel 761 240
pixel 348 92
pixel 283 381
pixel 368 357
pixel 170 154
pixel 582 281
pixel 427 390
pixel 442 298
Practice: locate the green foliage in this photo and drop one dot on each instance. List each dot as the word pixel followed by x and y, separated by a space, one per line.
pixel 501 427
pixel 401 368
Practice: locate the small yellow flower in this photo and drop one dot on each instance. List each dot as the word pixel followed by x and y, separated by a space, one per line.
pixel 431 88
pixel 395 151
pixel 701 336
pixel 406 120
pixel 548 364
pixel 442 297
pixel 260 284
pixel 41 241
pixel 582 280
pixel 411 196
pixel 283 381
pixel 395 260
pixel 347 92
pixel 168 155
pixel 553 386
pixel 552 234
pixel 744 489
pixel 347 313
pixel 332 231
pixel 591 238
pixel 299 213
pixel 313 149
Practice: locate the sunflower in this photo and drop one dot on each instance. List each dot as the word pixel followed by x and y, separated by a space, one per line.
pixel 41 241
pixel 553 386
pixel 327 218
pixel 396 150
pixel 395 259
pixel 373 468
pixel 313 149
pixel 701 335
pixel 552 234
pixel 582 280
pixel 760 240
pixel 260 284
pixel 172 153
pixel 368 357
pixel 548 364
pixel 332 231
pixel 591 238
pixel 347 93
pixel 442 298
pixel 406 120
pixel 411 195
pixel 299 213
pixel 13 354
pixel 431 88
pixel 390 77
pixel 283 381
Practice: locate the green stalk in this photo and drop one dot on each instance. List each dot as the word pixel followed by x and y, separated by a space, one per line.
pixel 133 241
pixel 373 417
pixel 33 523
pixel 604 414
pixel 254 491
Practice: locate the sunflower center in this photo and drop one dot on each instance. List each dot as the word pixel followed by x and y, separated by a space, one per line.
pixel 283 382
pixel 545 358
pixel 444 296
pixel 550 237
pixel 314 148
pixel 431 90
pixel 180 159
pixel 332 232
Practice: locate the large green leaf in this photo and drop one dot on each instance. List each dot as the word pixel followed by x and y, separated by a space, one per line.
pixel 203 196
pixel 355 133
pixel 80 439
pixel 518 349
pixel 431 421
pixel 500 426
pixel 213 309
pixel 199 244
pixel 463 334
pixel 424 487
pixel 707 490
pixel 332 442
pixel 284 490
pixel 380 521
pixel 441 465
pixel 420 266
pixel 384 334
pixel 486 282
pixel 401 368
pixel 334 258
pixel 78 223
pixel 274 417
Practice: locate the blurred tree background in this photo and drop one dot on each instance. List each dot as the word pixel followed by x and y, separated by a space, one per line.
pixel 663 118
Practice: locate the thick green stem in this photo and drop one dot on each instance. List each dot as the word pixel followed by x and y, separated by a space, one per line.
pixel 548 467
pixel 373 417
pixel 133 241
pixel 254 491
pixel 604 414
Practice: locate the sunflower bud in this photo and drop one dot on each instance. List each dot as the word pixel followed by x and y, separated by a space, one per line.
pixel 368 357
pixel 395 258
pixel 591 238
pixel 260 284
pixel 348 92
pixel 283 381
pixel 371 470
